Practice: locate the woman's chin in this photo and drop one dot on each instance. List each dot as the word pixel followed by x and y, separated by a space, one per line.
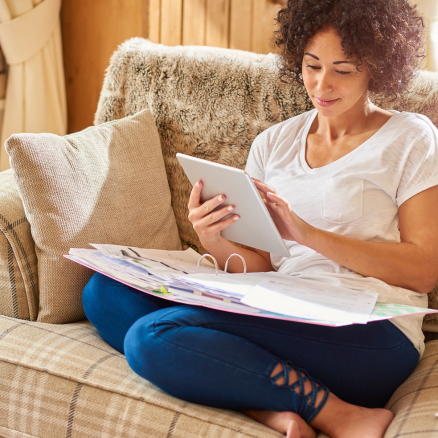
pixel 332 111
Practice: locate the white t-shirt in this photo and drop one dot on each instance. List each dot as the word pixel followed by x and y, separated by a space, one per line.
pixel 357 195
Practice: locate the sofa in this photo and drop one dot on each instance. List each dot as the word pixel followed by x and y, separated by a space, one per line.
pixel 58 378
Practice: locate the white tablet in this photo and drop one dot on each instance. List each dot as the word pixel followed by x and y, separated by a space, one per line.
pixel 255 227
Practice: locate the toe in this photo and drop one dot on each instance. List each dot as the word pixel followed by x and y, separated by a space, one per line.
pixel 293 430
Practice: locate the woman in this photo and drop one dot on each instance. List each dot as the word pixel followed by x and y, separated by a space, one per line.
pixel 353 190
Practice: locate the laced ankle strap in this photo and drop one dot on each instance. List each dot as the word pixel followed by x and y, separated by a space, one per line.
pixel 298 387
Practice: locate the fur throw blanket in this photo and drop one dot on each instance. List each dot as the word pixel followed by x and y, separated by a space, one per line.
pixel 211 103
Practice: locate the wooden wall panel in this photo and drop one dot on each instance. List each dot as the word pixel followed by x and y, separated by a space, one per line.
pixel 264 13
pixel 218 23
pixel 236 24
pixel 91 32
pixel 194 18
pixel 154 20
pixel 260 20
pixel 171 22
pixel 240 24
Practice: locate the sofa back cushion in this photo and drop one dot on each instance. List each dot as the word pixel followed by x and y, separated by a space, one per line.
pixel 106 184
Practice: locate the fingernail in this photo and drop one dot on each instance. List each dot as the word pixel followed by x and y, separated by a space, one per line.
pixel 230 208
pixel 221 198
pixel 236 218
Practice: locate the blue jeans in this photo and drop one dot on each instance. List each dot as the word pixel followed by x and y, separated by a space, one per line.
pixel 226 360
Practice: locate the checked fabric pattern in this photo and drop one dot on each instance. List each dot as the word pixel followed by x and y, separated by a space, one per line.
pixel 18 263
pixel 65 381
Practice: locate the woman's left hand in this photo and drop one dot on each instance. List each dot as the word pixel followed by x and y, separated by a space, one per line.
pixel 290 226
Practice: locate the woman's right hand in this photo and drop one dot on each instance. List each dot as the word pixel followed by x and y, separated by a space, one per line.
pixel 205 220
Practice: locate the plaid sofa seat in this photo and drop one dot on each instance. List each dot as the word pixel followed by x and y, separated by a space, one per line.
pixel 65 381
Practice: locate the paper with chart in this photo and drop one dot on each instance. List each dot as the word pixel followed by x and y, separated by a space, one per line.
pixel 173 275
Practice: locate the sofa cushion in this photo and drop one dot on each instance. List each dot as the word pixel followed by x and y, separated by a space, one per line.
pixel 106 184
pixel 18 262
pixel 415 403
pixel 64 380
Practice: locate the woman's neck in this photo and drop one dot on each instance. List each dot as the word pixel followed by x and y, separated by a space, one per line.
pixel 362 117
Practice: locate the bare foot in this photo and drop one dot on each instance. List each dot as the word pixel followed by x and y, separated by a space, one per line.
pixel 293 430
pixel 289 423
pixel 365 423
pixel 352 421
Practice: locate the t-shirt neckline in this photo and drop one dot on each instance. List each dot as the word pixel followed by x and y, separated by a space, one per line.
pixel 341 160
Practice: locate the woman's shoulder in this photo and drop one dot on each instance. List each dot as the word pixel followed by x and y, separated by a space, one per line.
pixel 414 123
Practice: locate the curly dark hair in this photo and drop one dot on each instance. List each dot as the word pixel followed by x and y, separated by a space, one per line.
pixel 385 35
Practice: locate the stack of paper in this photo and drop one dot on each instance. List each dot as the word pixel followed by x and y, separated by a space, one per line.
pixel 176 276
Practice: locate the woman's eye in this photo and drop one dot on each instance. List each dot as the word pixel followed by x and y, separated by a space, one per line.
pixel 313 67
pixel 343 72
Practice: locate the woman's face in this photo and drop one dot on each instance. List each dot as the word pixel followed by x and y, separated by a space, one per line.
pixel 331 80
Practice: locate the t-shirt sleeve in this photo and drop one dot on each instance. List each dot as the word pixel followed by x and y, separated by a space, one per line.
pixel 255 165
pixel 421 167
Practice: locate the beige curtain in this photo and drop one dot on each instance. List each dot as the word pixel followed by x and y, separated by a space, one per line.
pixel 30 37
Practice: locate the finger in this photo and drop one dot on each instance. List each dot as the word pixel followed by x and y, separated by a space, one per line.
pixel 219 226
pixel 208 206
pixel 214 216
pixel 278 205
pixel 268 205
pixel 263 186
pixel 274 198
pixel 195 196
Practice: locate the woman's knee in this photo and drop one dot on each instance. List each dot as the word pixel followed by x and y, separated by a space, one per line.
pixel 92 294
pixel 139 347
pixel 148 348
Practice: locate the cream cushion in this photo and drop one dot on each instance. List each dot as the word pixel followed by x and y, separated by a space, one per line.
pixel 106 184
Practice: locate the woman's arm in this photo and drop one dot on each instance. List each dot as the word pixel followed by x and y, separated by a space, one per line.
pixel 412 263
pixel 205 223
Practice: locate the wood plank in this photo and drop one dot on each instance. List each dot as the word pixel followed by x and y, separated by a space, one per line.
pixel 217 25
pixel 240 24
pixel 259 26
pixel 154 20
pixel 194 22
pixel 171 22
pixel 92 31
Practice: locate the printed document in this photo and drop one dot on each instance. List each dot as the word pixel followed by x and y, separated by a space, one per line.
pixel 311 299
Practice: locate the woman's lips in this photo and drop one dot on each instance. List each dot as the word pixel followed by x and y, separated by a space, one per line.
pixel 325 102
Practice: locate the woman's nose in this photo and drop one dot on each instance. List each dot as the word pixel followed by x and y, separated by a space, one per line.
pixel 325 83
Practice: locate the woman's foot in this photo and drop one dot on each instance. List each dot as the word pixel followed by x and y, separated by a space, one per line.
pixel 289 423
pixel 365 423
pixel 342 420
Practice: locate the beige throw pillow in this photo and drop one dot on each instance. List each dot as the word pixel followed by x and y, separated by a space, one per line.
pixel 106 184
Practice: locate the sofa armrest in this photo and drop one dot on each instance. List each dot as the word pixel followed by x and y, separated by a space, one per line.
pixel 18 262
pixel 415 403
